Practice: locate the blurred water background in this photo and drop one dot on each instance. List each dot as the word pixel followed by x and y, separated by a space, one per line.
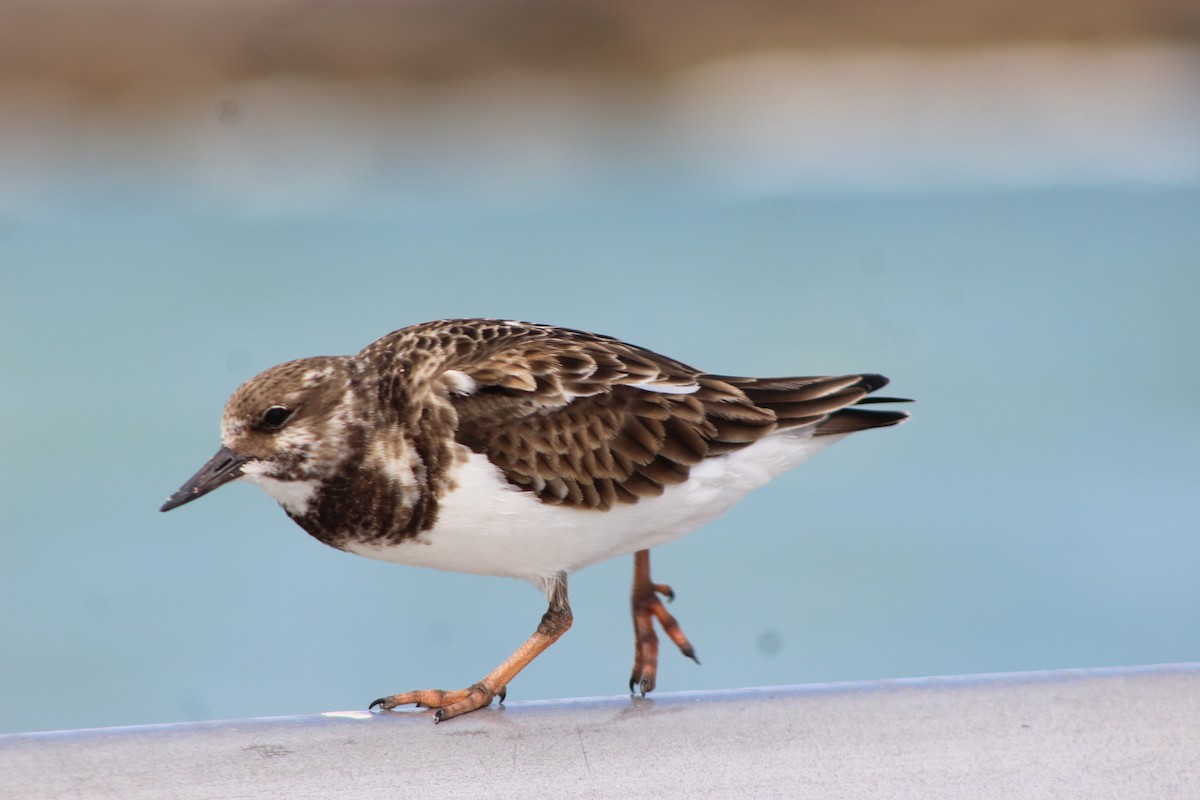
pixel 997 205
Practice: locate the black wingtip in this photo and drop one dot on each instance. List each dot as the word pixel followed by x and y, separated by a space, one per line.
pixel 872 381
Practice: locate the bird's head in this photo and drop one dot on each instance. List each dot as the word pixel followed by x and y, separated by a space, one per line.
pixel 284 429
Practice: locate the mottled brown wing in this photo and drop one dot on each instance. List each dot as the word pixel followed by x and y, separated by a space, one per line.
pixel 587 421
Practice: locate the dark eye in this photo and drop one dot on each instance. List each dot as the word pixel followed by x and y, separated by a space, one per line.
pixel 274 418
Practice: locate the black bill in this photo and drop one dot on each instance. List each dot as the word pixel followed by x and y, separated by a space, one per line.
pixel 222 468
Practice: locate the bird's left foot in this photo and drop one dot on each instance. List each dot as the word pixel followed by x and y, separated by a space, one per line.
pixel 555 622
pixel 648 607
pixel 448 704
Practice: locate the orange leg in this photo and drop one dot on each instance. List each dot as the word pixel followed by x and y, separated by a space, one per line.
pixel 554 624
pixel 647 608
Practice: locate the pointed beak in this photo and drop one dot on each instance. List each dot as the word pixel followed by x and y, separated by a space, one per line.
pixel 222 468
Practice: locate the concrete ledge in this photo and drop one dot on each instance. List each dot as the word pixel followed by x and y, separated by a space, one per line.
pixel 1122 732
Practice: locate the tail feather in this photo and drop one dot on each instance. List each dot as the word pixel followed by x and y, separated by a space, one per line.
pixel 872 399
pixel 850 420
pixel 824 402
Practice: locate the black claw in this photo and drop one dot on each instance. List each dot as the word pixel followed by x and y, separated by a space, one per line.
pixel 380 702
pixel 669 594
pixel 646 686
pixel 503 694
pixel 633 681
pixel 690 653
pixel 439 715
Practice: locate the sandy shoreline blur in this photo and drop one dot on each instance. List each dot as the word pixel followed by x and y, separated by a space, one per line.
pixel 107 47
pixel 1015 116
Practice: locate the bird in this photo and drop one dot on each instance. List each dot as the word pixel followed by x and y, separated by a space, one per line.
pixel 523 450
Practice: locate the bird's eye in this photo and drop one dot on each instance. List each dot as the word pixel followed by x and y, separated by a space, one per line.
pixel 274 418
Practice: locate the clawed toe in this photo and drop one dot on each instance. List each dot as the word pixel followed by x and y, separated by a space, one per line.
pixel 641 684
pixel 448 704
pixel 647 607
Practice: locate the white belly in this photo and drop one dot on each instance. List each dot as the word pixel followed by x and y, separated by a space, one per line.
pixel 489 527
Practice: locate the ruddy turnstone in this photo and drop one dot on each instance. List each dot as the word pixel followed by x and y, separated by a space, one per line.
pixel 530 451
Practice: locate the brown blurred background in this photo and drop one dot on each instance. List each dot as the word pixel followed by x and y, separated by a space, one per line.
pixel 162 46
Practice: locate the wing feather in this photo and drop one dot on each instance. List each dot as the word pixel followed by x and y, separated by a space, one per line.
pixel 585 420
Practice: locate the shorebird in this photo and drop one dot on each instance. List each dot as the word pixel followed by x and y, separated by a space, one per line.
pixel 522 450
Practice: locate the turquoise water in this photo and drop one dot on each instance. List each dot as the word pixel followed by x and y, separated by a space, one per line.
pixel 1041 509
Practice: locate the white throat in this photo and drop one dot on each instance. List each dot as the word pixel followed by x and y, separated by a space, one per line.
pixel 294 496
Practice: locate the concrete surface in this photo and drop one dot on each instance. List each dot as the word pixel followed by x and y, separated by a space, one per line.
pixel 1123 733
